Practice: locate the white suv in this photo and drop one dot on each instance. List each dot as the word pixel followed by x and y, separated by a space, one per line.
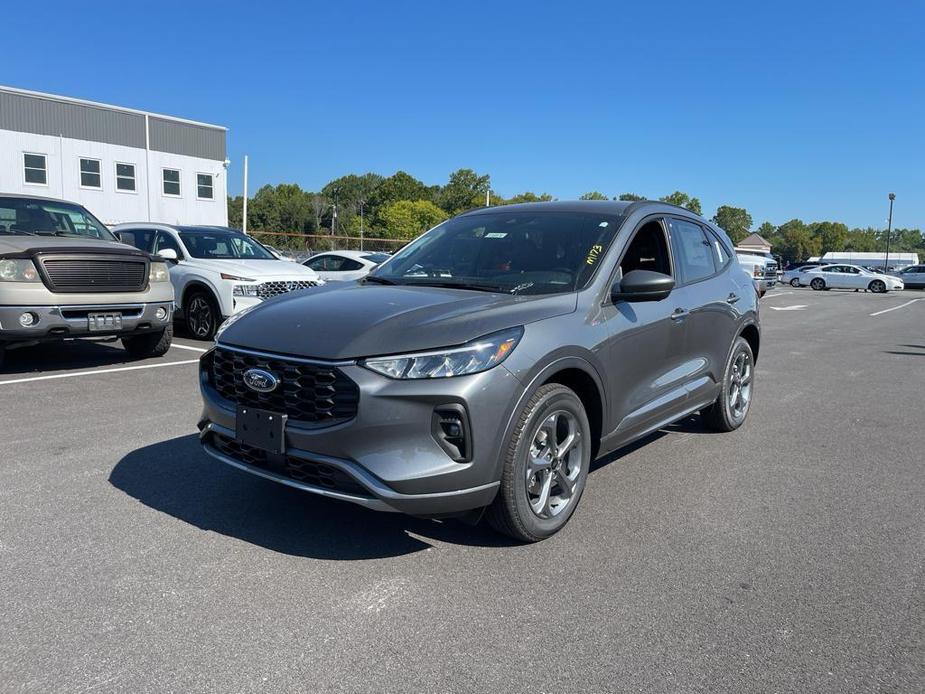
pixel 216 271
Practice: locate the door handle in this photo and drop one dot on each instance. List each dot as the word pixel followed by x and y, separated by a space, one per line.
pixel 732 298
pixel 679 313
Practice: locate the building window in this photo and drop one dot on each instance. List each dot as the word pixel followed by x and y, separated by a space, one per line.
pixel 35 169
pixel 125 177
pixel 204 186
pixel 172 182
pixel 90 173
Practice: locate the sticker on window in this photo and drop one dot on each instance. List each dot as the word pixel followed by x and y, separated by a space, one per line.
pixel 496 235
pixel 593 254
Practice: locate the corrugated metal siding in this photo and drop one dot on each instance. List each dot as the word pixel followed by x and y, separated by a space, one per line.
pixel 30 114
pixel 186 138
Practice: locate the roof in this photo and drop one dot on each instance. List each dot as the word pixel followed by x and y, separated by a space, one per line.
pixel 754 239
pixel 617 208
pixel 359 255
pixel 111 107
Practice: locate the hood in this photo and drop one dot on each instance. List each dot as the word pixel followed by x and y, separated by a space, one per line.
pixel 256 269
pixel 25 244
pixel 363 320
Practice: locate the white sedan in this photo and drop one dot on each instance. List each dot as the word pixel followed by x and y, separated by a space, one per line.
pixel 848 277
pixel 344 265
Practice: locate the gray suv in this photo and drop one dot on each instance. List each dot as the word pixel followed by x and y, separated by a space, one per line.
pixel 484 366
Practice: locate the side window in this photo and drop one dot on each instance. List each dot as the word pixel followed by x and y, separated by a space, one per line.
pixel 316 264
pixel 333 263
pixel 648 250
pixel 695 253
pixel 721 254
pixel 165 240
pixel 142 239
pixel 349 265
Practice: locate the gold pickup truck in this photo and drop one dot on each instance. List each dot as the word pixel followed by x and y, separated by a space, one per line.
pixel 64 275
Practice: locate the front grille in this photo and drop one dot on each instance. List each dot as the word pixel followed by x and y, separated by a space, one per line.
pixel 268 290
pixel 315 394
pixel 95 275
pixel 306 471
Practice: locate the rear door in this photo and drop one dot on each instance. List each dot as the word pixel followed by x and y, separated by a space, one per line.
pixel 711 299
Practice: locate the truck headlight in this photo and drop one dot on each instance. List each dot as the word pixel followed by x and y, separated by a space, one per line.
pixel 158 273
pixel 18 270
pixel 473 357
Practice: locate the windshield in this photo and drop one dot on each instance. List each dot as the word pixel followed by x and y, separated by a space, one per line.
pixel 515 252
pixel 223 245
pixel 36 217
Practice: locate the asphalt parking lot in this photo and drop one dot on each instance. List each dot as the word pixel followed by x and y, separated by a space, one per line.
pixel 786 556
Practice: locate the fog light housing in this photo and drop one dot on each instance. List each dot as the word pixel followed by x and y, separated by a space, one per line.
pixel 450 429
pixel 28 319
pixel 161 313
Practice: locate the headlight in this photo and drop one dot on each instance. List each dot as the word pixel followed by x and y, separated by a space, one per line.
pixel 474 357
pixel 235 278
pixel 18 270
pixel 158 273
pixel 244 290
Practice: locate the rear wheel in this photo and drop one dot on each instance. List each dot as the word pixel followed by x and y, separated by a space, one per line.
pixel 149 345
pixel 202 315
pixel 877 286
pixel 545 467
pixel 818 284
pixel 731 407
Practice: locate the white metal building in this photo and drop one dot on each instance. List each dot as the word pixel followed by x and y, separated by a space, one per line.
pixel 121 164
pixel 897 259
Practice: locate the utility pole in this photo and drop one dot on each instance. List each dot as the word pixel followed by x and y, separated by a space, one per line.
pixel 488 197
pixel 889 231
pixel 244 219
pixel 361 224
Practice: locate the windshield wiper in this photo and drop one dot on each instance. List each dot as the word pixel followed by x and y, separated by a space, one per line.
pixel 378 280
pixel 476 287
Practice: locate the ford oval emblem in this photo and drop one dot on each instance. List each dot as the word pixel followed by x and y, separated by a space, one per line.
pixel 260 380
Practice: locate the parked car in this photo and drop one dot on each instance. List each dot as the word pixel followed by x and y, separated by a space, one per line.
pixel 345 265
pixel 849 277
pixel 913 277
pixel 486 364
pixel 762 270
pixel 792 274
pixel 64 275
pixel 216 271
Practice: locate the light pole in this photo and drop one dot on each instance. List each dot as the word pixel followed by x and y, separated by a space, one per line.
pixel 889 231
pixel 361 224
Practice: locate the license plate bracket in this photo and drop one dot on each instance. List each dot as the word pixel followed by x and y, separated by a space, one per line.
pixel 261 428
pixel 104 322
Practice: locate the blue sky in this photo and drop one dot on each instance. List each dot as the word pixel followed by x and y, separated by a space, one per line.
pixel 812 109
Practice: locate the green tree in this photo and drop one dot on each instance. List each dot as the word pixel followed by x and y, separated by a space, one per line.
pixel 464 190
pixel 399 186
pixel 767 231
pixel 527 196
pixel 630 197
pixel 593 195
pixel 796 242
pixel 235 211
pixel 683 200
pixel 862 240
pixel 832 235
pixel 735 221
pixel 407 219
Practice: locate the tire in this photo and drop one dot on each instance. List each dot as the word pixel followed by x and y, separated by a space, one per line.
pixel 877 287
pixel 2 355
pixel 529 509
pixel 726 414
pixel 149 345
pixel 794 282
pixel 818 284
pixel 201 314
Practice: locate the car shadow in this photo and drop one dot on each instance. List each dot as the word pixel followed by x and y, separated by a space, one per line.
pixel 177 478
pixel 63 356
pixel 692 424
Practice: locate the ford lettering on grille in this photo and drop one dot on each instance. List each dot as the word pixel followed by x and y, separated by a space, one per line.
pixel 260 380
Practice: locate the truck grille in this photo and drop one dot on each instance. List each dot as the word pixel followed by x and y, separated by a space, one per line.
pixel 315 394
pixel 268 290
pixel 306 471
pixel 95 274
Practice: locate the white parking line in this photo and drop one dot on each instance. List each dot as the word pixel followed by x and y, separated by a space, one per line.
pixel 97 371
pixel 771 296
pixel 895 308
pixel 192 349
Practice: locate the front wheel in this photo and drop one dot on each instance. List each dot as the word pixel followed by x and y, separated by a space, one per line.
pixel 149 345
pixel 545 466
pixel 202 315
pixel 794 282
pixel 818 284
pixel 731 407
pixel 877 286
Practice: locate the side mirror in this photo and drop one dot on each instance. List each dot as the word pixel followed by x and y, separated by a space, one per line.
pixel 642 285
pixel 168 254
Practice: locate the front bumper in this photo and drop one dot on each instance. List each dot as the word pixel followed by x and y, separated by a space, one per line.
pixel 66 321
pixel 386 457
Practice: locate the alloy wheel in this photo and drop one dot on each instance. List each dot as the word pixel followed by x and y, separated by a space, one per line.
pixel 199 316
pixel 554 464
pixel 740 385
